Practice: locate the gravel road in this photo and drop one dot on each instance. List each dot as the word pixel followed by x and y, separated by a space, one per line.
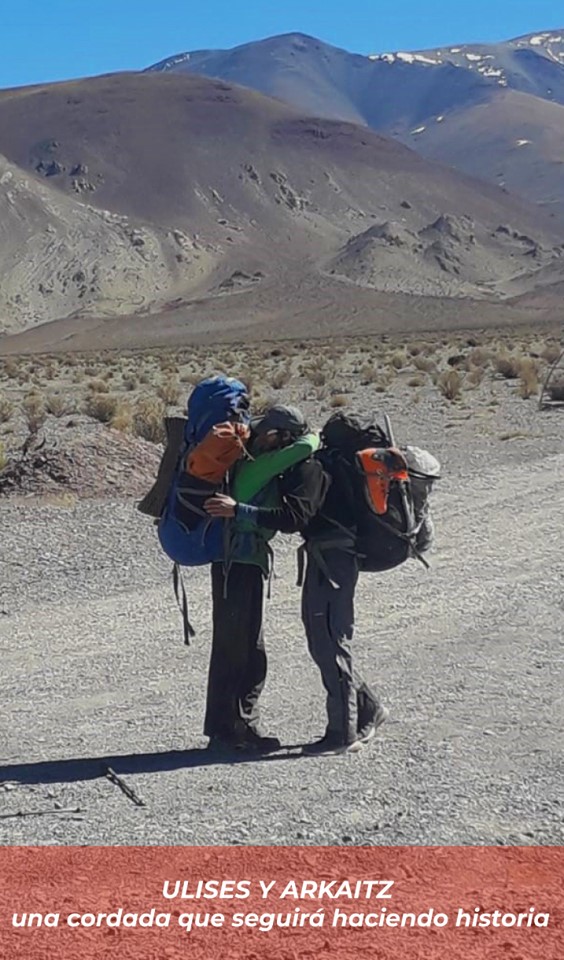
pixel 469 659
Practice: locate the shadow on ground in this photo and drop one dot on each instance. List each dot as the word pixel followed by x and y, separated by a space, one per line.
pixel 90 768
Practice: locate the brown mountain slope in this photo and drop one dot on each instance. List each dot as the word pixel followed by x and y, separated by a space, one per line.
pixel 224 192
pixel 60 256
pixel 514 139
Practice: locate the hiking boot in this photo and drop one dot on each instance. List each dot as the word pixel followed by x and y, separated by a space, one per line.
pixel 368 730
pixel 253 740
pixel 225 744
pixel 331 743
pixel 243 742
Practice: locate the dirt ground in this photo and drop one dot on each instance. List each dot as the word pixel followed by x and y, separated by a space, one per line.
pixel 468 657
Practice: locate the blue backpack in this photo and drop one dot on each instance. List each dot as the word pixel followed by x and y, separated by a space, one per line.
pixel 186 533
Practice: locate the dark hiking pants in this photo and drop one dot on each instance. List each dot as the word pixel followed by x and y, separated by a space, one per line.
pixel 328 617
pixel 237 671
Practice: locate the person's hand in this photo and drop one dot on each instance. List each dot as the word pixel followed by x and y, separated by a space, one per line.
pixel 220 506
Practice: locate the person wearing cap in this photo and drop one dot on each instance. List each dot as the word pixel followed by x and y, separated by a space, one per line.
pixel 258 508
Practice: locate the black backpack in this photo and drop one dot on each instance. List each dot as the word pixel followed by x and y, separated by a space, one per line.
pixel 386 532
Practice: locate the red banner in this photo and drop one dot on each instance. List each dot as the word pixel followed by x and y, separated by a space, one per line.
pixel 282 903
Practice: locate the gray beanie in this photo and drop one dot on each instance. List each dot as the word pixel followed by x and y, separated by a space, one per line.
pixel 280 417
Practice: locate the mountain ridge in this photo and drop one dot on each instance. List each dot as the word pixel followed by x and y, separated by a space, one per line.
pixel 152 207
pixel 409 95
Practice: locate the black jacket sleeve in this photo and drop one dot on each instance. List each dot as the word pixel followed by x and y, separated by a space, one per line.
pixel 302 492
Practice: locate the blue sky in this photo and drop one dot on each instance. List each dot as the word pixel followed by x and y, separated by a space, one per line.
pixel 44 40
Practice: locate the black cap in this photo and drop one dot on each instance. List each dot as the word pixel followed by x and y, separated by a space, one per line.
pixel 280 417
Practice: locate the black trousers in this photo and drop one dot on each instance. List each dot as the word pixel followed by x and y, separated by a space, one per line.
pixel 328 617
pixel 238 664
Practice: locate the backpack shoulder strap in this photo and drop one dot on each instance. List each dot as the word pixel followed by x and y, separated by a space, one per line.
pixel 182 601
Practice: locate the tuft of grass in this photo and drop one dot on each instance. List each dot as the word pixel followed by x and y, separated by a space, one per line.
pixel 57 405
pixel 316 374
pixel 450 384
pixel 6 408
pixel 508 365
pixel 424 364
pixel 123 418
pixel 528 379
pixel 551 352
pixel 148 419
pixel 475 376
pixel 398 360
pixel 169 392
pixel 3 457
pixel 101 406
pixel 414 349
pixel 479 357
pixel 33 406
pixel 338 400
pixel 368 374
pixel 98 386
pixel 10 368
pixel 281 377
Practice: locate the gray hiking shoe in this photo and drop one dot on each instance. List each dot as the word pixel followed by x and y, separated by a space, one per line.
pixel 368 731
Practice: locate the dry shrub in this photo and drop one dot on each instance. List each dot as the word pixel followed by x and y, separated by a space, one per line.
pixel 450 384
pixel 508 365
pixel 479 357
pixel 551 352
pixel 98 386
pixel 168 365
pixel 101 406
pixel 316 375
pixel 260 403
pixel 424 364
pixel 130 383
pixel 57 405
pixel 3 456
pixel 556 391
pixel 191 377
pixel 338 400
pixel 281 377
pixel 416 381
pixel 6 408
pixel 398 360
pixel 169 392
pixel 368 374
pixel 70 360
pixel 148 419
pixel 475 376
pixel 33 406
pixel 247 378
pixel 528 379
pixel 10 368
pixel 123 418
